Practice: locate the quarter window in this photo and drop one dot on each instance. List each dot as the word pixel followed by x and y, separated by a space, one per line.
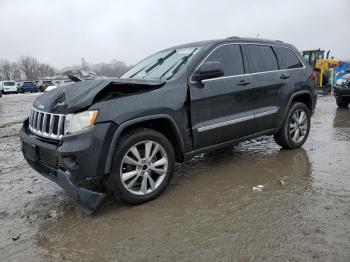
pixel 288 59
pixel 231 58
pixel 261 58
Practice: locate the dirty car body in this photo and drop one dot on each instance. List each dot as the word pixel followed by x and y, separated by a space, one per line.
pixel 192 104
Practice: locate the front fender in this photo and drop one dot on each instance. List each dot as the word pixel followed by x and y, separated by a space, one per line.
pixel 129 123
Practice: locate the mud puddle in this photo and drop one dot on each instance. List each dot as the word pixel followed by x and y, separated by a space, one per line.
pixel 209 212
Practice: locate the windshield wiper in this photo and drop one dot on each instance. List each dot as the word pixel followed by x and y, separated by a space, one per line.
pixel 160 61
pixel 183 61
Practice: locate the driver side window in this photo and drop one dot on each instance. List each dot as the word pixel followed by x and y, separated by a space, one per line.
pixel 231 58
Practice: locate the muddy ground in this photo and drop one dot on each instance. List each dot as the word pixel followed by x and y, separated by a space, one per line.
pixel 209 212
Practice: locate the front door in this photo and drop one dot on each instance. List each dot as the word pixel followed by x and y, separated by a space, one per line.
pixel 222 108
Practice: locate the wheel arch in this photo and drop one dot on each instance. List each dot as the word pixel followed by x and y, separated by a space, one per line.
pixel 300 96
pixel 162 123
pixel 304 97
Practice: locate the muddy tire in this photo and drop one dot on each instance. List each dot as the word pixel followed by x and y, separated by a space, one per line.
pixel 342 103
pixel 142 166
pixel 296 127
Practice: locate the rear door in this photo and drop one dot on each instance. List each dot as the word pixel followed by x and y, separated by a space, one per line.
pixel 221 108
pixel 289 61
pixel 270 83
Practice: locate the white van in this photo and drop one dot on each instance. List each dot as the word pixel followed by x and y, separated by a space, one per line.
pixel 8 87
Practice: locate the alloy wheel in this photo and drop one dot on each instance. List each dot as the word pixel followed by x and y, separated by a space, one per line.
pixel 144 167
pixel 298 125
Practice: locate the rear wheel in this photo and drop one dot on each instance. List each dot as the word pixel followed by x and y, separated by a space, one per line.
pixel 342 103
pixel 296 127
pixel 142 166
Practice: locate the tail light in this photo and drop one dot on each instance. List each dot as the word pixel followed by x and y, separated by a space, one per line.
pixel 314 75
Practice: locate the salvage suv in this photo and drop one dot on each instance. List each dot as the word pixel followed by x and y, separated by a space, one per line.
pixel 124 135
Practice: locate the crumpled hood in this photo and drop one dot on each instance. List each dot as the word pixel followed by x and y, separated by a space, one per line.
pixel 80 95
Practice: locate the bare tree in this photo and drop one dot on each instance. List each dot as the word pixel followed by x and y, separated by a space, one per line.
pixel 45 70
pixel 5 70
pixel 16 72
pixel 113 69
pixel 30 67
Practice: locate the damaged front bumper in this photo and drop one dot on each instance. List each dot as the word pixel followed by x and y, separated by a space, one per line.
pixel 87 200
pixel 76 165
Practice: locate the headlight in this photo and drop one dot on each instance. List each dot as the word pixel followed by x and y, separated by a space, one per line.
pixel 80 121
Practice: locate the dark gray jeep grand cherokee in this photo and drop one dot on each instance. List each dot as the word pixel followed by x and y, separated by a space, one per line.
pixel 124 135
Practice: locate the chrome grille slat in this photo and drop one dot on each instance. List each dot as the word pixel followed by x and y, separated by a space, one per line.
pixel 35 119
pixel 52 119
pixel 46 124
pixel 38 122
pixel 60 124
pixel 32 121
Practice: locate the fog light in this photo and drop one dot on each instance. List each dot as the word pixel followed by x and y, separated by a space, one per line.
pixel 71 162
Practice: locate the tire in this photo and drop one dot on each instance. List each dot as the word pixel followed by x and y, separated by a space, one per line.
pixel 342 103
pixel 286 136
pixel 137 193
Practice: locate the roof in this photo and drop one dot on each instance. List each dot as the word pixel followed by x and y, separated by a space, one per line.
pixel 234 39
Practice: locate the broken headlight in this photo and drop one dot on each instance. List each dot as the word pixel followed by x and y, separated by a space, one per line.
pixel 80 121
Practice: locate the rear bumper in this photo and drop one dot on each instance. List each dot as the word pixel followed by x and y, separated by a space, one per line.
pixel 340 91
pixel 76 163
pixel 10 90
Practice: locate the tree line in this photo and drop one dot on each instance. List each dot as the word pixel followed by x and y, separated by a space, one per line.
pixel 29 68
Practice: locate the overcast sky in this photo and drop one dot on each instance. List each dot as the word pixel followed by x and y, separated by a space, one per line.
pixel 61 32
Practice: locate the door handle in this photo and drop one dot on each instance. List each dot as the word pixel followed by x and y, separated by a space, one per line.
pixel 243 83
pixel 284 77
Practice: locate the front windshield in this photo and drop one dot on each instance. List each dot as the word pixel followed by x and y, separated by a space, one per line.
pixel 162 65
pixel 9 83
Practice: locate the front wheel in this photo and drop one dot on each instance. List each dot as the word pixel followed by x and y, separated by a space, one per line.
pixel 142 166
pixel 296 127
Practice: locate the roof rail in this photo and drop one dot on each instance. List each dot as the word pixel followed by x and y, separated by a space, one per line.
pixel 233 37
pixel 279 41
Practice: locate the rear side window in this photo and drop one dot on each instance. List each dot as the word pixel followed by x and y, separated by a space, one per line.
pixel 261 58
pixel 288 59
pixel 231 58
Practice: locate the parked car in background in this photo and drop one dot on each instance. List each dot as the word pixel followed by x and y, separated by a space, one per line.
pixel 58 83
pixel 28 86
pixel 173 105
pixel 342 91
pixel 18 86
pixel 8 87
pixel 43 84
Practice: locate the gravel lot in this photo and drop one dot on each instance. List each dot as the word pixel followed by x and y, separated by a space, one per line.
pixel 209 212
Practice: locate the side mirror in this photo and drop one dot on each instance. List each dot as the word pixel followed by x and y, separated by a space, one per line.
pixel 208 70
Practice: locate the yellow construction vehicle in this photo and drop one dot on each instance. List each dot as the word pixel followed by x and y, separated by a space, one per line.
pixel 321 65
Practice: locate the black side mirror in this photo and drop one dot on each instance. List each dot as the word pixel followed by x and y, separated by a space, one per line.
pixel 208 70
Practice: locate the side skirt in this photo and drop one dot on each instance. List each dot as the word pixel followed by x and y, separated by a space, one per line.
pixel 230 143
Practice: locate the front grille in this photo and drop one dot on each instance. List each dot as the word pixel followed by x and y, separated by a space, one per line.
pixel 46 124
